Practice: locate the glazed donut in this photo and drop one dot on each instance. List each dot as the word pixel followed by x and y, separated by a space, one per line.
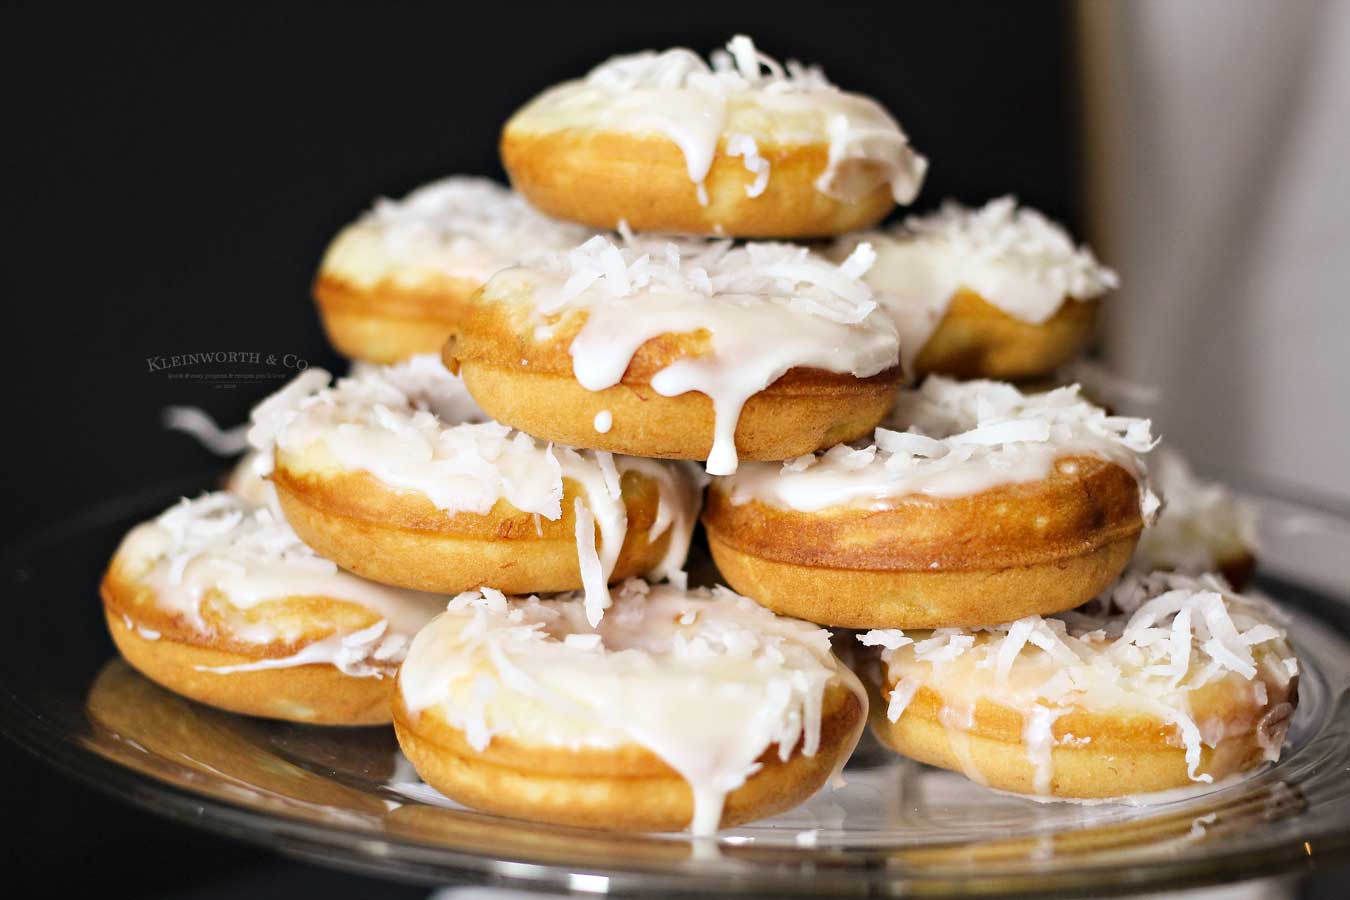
pixel 742 147
pixel 684 351
pixel 219 601
pixel 1201 527
pixel 394 283
pixel 997 292
pixel 684 708
pixel 370 476
pixel 992 506
pixel 1165 682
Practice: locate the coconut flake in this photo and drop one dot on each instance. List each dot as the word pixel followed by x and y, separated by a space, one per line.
pixel 1143 647
pixel 952 439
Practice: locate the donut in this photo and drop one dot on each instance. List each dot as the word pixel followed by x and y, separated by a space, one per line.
pixel 689 350
pixel 993 505
pixel 373 478
pixel 1201 527
pixel 1165 682
pixel 219 601
pixel 742 147
pixel 394 282
pixel 997 292
pixel 684 708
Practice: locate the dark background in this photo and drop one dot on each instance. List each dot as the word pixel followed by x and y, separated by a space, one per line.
pixel 173 176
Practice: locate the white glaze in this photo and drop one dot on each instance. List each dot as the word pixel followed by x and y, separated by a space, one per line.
pixel 743 100
pixel 1201 525
pixel 384 421
pixel 767 308
pixel 1143 648
pixel 705 679
pixel 963 438
pixel 459 227
pixel 222 545
pixel 1015 259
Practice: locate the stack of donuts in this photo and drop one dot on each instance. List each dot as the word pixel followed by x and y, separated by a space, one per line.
pixel 683 312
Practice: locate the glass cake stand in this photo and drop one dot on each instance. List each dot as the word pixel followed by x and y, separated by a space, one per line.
pixel 347 797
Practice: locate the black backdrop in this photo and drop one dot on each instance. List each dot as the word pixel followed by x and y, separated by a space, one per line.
pixel 172 177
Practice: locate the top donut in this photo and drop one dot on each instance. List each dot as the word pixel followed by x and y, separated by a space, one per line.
pixel 740 147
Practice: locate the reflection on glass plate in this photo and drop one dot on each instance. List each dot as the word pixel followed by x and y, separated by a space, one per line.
pixel 348 798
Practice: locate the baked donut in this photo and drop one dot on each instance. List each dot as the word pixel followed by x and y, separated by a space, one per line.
pixel 993 505
pixel 686 351
pixel 219 601
pixel 373 478
pixel 997 292
pixel 1164 682
pixel 1201 527
pixel 393 283
pixel 743 147
pixel 683 708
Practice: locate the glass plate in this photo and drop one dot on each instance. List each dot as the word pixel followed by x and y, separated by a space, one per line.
pixel 347 798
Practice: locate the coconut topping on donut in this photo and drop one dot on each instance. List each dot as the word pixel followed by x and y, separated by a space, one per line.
pixel 1146 647
pixel 962 438
pixel 1014 258
pixel 706 680
pixel 768 307
pixel 1202 525
pixel 222 545
pixel 457 227
pixel 384 422
pixel 742 97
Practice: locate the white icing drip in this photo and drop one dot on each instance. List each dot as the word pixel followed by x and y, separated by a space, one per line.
pixel 744 146
pixel 963 438
pixel 384 421
pixel 457 227
pixel 1039 740
pixel 1145 648
pixel 1201 525
pixel 705 679
pixel 1015 259
pixel 957 723
pixel 742 94
pixel 604 421
pixel 594 570
pixel 817 315
pixel 246 555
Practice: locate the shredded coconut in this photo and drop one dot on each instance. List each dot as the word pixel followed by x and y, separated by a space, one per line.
pixel 1014 258
pixel 696 104
pixel 222 545
pixel 1201 527
pixel 818 315
pixel 1145 646
pixel 197 422
pixel 1021 240
pixel 457 227
pixel 961 438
